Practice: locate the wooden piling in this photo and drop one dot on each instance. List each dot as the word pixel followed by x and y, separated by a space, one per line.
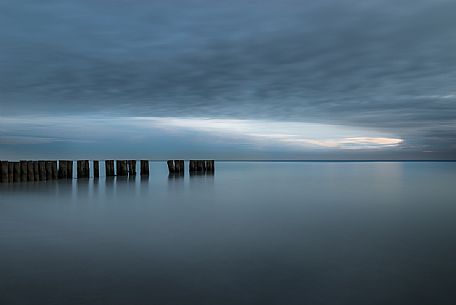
pixel 54 170
pixel 83 169
pixel 109 165
pixel 4 172
pixel 123 168
pixel 144 168
pixel 171 167
pixel 132 168
pixel 200 165
pixel 192 166
pixel 17 171
pixel 30 171
pixel 96 169
pixel 23 175
pixel 179 166
pixel 86 169
pixel 69 169
pixel 79 169
pixel 10 172
pixel 210 166
pixel 62 169
pixel 36 170
pixel 42 171
pixel 118 169
pixel 48 170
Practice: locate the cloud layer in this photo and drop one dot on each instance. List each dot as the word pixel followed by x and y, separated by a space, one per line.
pixel 378 65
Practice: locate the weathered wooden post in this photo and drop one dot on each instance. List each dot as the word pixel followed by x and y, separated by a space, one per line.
pixel 10 172
pixel 96 169
pixel 171 167
pixel 4 171
pixel 109 164
pixel 23 176
pixel 113 173
pixel 30 171
pixel 48 170
pixel 181 166
pixel 54 170
pixel 87 168
pixel 70 169
pixel 36 170
pixel 107 168
pixel 192 166
pixel 118 168
pixel 211 166
pixel 79 169
pixel 17 171
pixel 200 166
pixel 177 166
pixel 62 169
pixel 123 167
pixel 42 171
pixel 144 167
pixel 132 168
pixel 83 169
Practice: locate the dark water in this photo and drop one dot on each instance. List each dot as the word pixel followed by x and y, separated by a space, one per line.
pixel 255 233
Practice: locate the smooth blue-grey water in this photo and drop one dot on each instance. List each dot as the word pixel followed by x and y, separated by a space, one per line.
pixel 254 233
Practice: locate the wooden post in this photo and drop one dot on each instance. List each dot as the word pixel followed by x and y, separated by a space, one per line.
pixel 10 172
pixel 87 168
pixel 79 167
pixel 30 171
pixel 200 166
pixel 177 165
pixel 54 170
pixel 36 170
pixel 192 166
pixel 123 167
pixel 132 168
pixel 70 169
pixel 62 169
pixel 83 169
pixel 96 169
pixel 23 176
pixel 109 164
pixel 4 171
pixel 144 168
pixel 118 168
pixel 48 170
pixel 17 171
pixel 171 166
pixel 107 168
pixel 42 171
pixel 211 166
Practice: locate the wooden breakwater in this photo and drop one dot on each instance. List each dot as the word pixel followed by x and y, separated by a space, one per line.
pixel 31 171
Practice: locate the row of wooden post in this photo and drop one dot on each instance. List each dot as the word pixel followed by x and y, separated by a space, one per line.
pixel 195 166
pixel 28 171
pixel 51 170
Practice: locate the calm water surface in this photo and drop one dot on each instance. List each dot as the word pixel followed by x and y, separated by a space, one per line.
pixel 254 233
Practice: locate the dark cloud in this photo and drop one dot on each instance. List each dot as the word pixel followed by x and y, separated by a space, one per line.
pixel 380 64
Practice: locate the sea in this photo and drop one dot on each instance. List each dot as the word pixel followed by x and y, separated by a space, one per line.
pixel 280 233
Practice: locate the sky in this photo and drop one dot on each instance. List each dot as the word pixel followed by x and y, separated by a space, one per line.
pixel 250 79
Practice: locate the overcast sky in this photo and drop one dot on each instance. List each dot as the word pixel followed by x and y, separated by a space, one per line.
pixel 276 79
